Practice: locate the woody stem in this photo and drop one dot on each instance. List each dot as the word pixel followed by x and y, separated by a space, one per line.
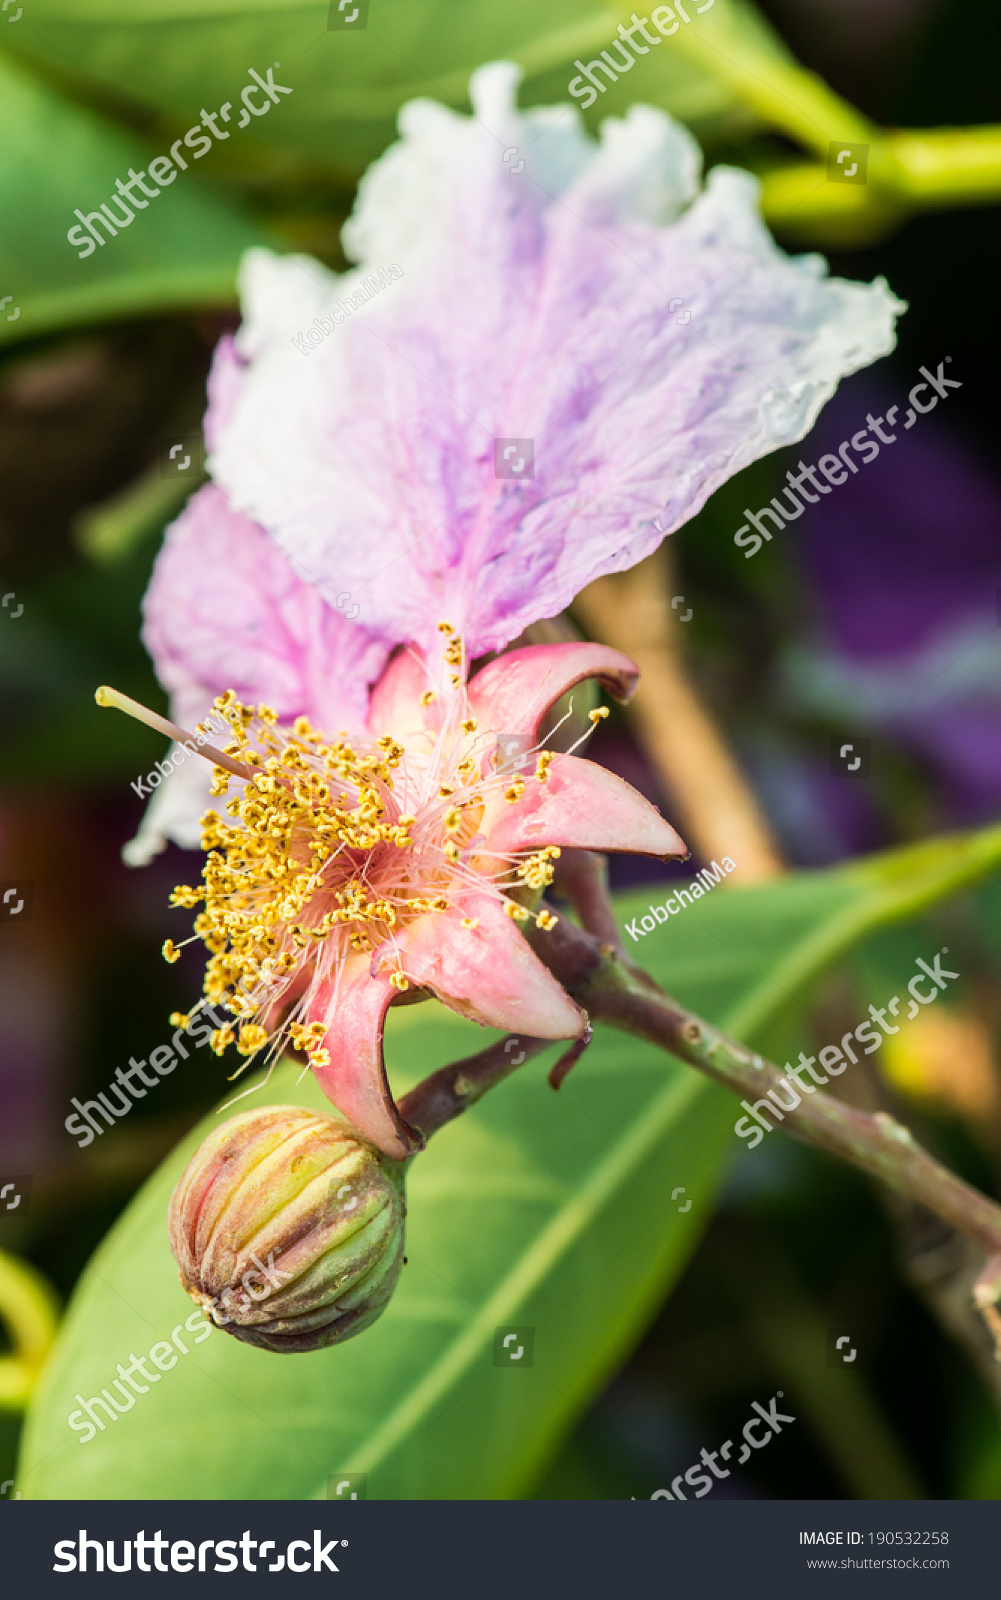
pixel 445 1094
pixel 612 990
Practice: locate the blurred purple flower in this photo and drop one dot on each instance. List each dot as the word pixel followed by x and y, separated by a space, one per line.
pixel 905 563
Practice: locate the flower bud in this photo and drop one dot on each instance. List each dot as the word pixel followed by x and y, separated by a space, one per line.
pixel 288 1228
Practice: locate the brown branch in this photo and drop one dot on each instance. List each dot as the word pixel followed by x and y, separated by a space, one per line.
pixel 445 1094
pixel 450 1091
pixel 582 877
pixel 612 990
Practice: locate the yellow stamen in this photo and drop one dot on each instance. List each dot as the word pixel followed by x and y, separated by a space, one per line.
pixel 185 896
pixel 536 870
pixel 252 1038
pixel 306 865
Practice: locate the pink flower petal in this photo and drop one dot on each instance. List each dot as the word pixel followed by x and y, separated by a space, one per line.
pixel 355 1081
pixel 488 973
pixel 225 609
pixel 395 703
pixel 646 343
pixel 588 808
pixel 513 693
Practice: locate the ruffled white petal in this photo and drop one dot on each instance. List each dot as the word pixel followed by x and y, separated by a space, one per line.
pixel 182 798
pixel 648 339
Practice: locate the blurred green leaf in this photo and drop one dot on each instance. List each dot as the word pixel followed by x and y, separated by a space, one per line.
pixel 183 251
pixel 80 628
pixel 115 528
pixel 552 1211
pixel 348 83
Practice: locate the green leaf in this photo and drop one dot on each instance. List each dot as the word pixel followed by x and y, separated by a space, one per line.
pixel 535 1209
pixel 348 84
pixel 182 251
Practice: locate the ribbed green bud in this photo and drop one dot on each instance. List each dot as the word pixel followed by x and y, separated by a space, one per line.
pixel 288 1228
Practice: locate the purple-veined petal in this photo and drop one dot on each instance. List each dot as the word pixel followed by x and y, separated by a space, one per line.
pixel 648 344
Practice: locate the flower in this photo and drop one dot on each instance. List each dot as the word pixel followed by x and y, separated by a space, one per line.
pixel 900 642
pixel 647 336
pixel 404 856
pixel 361 506
pixel 288 1229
